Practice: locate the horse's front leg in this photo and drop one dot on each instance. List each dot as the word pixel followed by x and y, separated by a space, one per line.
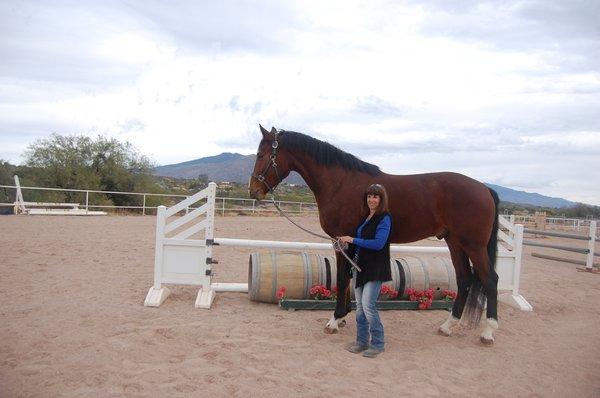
pixel 343 303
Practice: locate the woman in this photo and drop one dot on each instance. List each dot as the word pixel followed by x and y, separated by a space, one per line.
pixel 371 251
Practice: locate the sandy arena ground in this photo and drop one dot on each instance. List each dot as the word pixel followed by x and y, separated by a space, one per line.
pixel 73 324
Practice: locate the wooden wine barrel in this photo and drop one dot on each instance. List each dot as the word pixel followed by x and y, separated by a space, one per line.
pixel 328 266
pixel 407 272
pixel 421 274
pixel 299 271
pixel 267 272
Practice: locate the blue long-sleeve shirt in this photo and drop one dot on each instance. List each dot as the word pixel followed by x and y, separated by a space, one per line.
pixel 381 235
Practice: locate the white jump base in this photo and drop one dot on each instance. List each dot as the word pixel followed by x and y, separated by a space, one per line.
pixel 63 212
pixel 182 260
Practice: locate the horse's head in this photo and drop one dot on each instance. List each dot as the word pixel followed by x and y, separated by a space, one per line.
pixel 271 166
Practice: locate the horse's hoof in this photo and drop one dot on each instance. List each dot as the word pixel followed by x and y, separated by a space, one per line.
pixel 486 341
pixel 329 330
pixel 444 332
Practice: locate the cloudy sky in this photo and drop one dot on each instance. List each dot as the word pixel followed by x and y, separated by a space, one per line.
pixel 507 92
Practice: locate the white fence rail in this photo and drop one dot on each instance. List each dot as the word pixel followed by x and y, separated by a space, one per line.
pixel 223 205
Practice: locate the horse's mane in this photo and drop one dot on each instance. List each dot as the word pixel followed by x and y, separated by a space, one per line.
pixel 326 154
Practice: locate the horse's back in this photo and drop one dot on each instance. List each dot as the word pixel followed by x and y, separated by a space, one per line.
pixel 434 203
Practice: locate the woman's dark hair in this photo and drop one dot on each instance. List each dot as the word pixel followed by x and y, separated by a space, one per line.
pixel 379 190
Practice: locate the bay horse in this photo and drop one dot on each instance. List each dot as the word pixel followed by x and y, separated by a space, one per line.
pixel 450 206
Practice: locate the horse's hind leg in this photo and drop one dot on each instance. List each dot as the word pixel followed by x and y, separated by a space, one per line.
pixel 489 280
pixel 491 292
pixel 464 277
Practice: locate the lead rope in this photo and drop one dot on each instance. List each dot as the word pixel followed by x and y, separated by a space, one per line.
pixel 338 245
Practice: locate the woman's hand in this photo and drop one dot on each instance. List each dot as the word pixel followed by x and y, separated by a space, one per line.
pixel 346 239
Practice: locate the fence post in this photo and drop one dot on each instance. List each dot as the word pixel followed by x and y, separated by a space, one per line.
pixel 518 239
pixel 223 208
pixel 509 231
pixel 19 201
pixel 591 244
pixel 161 218
pixel 144 206
pixel 87 200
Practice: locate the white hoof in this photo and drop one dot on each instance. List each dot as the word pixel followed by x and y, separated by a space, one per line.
pixel 446 327
pixel 487 336
pixel 333 325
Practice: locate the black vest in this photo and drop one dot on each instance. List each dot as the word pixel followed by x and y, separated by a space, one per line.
pixel 375 264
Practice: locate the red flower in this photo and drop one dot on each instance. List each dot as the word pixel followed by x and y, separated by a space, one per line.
pixel 449 295
pixel 280 293
pixel 424 299
pixel 388 291
pixel 320 292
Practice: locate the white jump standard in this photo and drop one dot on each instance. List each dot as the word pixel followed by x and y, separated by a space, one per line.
pixel 182 260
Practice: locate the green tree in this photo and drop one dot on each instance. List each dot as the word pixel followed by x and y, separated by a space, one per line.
pixel 81 162
pixel 7 195
pixel 7 172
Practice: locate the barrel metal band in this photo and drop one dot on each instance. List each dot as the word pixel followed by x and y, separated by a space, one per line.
pixel 307 273
pixel 425 273
pixel 402 278
pixel 409 281
pixel 274 279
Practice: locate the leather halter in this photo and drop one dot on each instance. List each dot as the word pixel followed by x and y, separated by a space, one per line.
pixel 261 177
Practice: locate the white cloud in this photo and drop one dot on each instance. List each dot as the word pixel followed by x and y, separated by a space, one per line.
pixel 486 89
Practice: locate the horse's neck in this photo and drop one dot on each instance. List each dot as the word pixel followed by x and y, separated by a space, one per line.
pixel 335 191
pixel 311 172
pixel 325 182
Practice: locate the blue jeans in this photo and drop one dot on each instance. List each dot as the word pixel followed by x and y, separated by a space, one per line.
pixel 368 323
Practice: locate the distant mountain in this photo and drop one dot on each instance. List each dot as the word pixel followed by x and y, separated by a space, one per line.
pixel 522 197
pixel 234 167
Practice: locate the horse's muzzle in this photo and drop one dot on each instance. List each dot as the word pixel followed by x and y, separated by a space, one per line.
pixel 256 194
pixel 255 189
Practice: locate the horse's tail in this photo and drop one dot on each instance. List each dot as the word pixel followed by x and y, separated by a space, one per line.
pixel 477 298
pixel 492 247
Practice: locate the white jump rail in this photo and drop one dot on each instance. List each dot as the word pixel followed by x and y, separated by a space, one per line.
pixel 180 259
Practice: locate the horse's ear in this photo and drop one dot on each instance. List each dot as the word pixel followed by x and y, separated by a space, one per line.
pixel 273 130
pixel 263 131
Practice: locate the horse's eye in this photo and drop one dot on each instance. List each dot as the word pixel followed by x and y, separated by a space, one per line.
pixel 259 155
